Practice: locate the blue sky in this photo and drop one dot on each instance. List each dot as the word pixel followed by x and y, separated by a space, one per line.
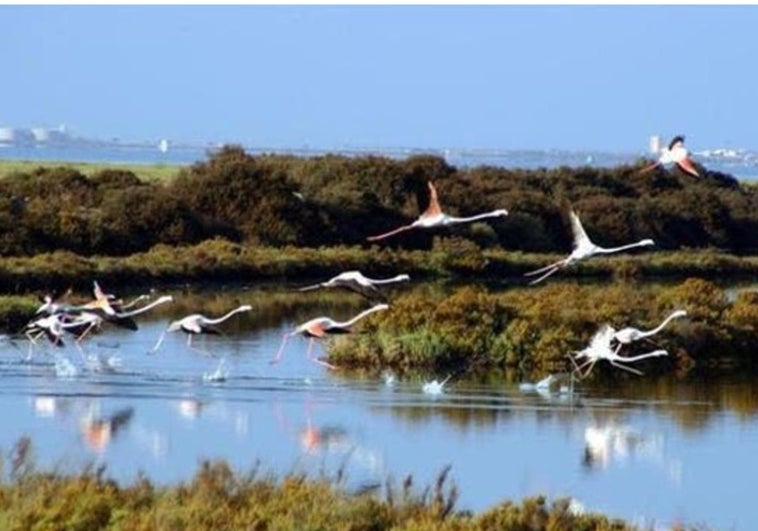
pixel 497 76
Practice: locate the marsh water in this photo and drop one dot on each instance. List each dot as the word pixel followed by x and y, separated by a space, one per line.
pixel 653 451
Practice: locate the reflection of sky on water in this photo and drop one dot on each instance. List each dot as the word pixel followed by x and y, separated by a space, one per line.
pixel 662 450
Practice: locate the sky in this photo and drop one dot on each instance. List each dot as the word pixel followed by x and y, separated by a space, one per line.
pixel 426 76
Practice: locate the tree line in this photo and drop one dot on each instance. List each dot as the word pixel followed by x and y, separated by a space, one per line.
pixel 280 200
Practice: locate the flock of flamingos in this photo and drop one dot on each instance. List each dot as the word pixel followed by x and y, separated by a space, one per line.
pixel 53 319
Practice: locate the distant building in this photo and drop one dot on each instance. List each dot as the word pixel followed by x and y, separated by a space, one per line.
pixel 12 136
pixel 16 136
pixel 655 144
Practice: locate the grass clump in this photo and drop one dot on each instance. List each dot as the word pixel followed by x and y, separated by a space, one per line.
pixel 533 329
pixel 219 498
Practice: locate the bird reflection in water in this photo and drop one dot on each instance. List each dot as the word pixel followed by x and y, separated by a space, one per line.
pixel 604 444
pixel 325 439
pixel 50 406
pixel 334 447
pixel 98 431
pixel 561 385
pixel 189 408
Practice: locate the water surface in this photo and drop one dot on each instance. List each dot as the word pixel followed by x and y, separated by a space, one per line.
pixel 651 451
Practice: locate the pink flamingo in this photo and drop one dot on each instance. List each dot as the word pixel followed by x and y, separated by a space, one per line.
pixel 196 323
pixel 357 282
pixel 320 327
pixel 434 217
pixel 583 248
pixel 677 154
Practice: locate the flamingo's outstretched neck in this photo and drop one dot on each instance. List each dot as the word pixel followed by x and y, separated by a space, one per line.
pixel 643 356
pixel 674 315
pixel 243 308
pixel 641 243
pixel 397 278
pixel 162 300
pixel 363 314
pixel 493 214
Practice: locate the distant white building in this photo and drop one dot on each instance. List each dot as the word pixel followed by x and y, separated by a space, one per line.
pixel 7 135
pixel 46 135
pixel 12 136
pixel 655 144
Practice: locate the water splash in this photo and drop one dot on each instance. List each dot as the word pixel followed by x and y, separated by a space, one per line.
pixel 221 374
pixel 64 368
pixel 435 387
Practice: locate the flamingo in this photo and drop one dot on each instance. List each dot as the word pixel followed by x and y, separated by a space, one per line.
pixel 198 324
pixel 677 154
pixel 583 248
pixel 321 327
pixel 434 217
pixel 355 281
pixel 600 348
pixel 94 317
pixel 50 303
pixel 627 335
pixel 51 326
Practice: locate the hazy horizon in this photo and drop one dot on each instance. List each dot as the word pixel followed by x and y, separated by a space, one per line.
pixel 506 77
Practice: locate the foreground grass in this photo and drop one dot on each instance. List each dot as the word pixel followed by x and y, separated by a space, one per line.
pixel 219 498
pixel 146 172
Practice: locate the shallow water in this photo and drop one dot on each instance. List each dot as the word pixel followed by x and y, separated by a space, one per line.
pixel 654 452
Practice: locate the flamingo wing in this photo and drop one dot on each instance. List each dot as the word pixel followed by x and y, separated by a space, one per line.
pixel 191 326
pixel 433 209
pixel 367 291
pixel 210 329
pixel 580 236
pixel 687 165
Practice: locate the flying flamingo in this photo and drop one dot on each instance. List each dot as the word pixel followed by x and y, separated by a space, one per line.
pixel 600 348
pixel 355 281
pixel 51 326
pixel 677 154
pixel 198 324
pixel 434 217
pixel 93 317
pixel 626 336
pixel 320 327
pixel 50 304
pixel 583 248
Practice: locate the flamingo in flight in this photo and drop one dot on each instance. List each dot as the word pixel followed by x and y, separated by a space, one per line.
pixel 583 248
pixel 320 327
pixel 627 335
pixel 600 348
pixel 677 154
pixel 92 317
pixel 355 281
pixel 196 324
pixel 434 217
